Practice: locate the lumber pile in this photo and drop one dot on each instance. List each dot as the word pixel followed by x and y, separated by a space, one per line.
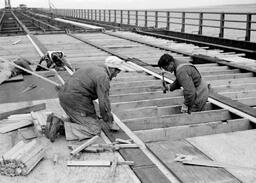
pixel 22 158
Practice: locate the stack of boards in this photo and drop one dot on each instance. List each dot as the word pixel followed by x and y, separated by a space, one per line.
pixel 22 158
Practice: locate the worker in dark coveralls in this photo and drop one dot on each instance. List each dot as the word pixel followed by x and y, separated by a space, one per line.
pixel 195 90
pixel 76 98
pixel 53 59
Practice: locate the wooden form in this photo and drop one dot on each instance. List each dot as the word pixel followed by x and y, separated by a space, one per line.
pixel 22 158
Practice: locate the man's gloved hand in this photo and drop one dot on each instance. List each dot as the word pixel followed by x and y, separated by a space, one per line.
pixel 184 108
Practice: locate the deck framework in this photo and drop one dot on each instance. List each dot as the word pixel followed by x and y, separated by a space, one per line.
pixel 223 133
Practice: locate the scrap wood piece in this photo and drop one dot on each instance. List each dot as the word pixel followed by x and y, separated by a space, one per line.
pixel 193 160
pixel 91 149
pixel 97 163
pixel 113 169
pixel 15 126
pixel 27 133
pixel 16 42
pixel 90 163
pixel 19 116
pixel 15 79
pixel 23 110
pixel 123 141
pixel 215 164
pixel 84 145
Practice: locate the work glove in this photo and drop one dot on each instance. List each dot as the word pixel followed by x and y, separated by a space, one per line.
pixel 184 108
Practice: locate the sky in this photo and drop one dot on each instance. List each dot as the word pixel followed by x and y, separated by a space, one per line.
pixel 125 4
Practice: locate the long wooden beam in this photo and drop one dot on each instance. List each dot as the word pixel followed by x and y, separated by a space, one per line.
pixel 177 119
pixel 186 131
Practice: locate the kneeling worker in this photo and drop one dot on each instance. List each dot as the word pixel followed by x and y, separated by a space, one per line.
pixel 195 90
pixel 76 98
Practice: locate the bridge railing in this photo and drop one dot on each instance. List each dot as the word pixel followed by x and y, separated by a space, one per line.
pixel 239 26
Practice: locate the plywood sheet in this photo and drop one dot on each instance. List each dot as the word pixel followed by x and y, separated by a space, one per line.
pixel 167 150
pixel 237 148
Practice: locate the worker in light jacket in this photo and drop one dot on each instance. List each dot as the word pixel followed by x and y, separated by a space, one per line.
pixel 76 98
pixel 195 90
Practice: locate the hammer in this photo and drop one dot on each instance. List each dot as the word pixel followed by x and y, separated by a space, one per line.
pixel 164 84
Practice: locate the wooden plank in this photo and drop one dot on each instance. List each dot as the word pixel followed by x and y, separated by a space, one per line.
pixel 90 163
pixel 28 109
pixel 160 102
pixel 167 150
pixel 228 76
pixel 15 79
pixel 235 148
pixel 135 84
pixel 178 119
pixel 145 96
pixel 15 126
pixel 186 131
pixel 84 145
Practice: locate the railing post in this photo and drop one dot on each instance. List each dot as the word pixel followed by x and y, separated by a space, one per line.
pixel 99 15
pixel 183 22
pixel 115 16
pixel 91 14
pixel 200 28
pixel 104 16
pixel 95 14
pixel 121 21
pixel 168 21
pixel 109 15
pixel 156 19
pixel 146 19
pixel 85 14
pixel 136 19
pixel 222 22
pixel 128 17
pixel 248 27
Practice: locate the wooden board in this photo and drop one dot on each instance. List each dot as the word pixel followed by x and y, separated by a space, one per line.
pixel 237 148
pixel 166 151
pixel 15 78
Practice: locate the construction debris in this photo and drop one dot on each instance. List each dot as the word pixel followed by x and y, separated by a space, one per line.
pixel 22 158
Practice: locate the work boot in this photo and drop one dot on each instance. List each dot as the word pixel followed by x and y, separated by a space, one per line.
pixel 55 127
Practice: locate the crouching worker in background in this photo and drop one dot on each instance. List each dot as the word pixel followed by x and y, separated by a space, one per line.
pixel 195 90
pixel 53 60
pixel 76 98
pixel 7 70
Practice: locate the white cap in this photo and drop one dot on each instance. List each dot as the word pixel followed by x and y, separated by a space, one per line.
pixel 115 62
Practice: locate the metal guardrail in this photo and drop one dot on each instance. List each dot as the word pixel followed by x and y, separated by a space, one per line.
pixel 216 24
